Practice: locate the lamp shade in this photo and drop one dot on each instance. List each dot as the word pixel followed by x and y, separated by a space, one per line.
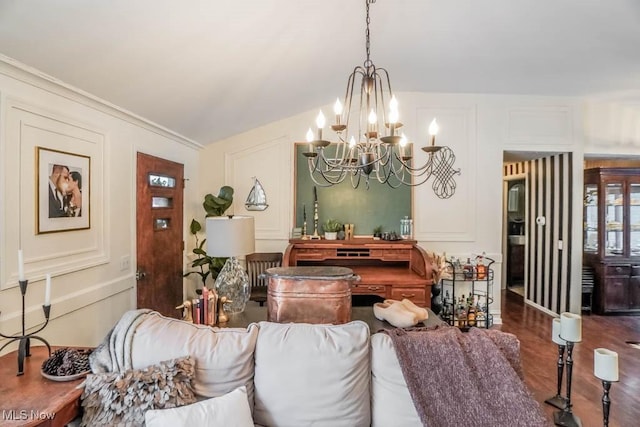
pixel 555 333
pixel 230 236
pixel 571 327
pixel 605 364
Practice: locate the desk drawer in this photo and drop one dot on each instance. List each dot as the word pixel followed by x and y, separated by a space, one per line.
pixel 360 289
pixel 618 270
pixel 416 295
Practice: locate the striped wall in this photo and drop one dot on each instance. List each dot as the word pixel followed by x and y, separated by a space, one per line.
pixel 548 254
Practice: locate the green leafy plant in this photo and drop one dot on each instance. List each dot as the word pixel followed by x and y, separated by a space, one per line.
pixel 204 264
pixel 377 231
pixel 332 226
pixel 216 205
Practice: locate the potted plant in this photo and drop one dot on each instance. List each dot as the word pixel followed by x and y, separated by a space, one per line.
pixel 377 232
pixel 204 264
pixel 331 228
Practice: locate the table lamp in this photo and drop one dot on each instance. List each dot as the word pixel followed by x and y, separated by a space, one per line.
pixel 231 236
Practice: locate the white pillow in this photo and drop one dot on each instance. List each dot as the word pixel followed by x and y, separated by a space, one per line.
pixel 224 357
pixel 312 375
pixel 391 402
pixel 230 410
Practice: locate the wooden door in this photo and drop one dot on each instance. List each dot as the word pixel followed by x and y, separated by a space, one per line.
pixel 159 234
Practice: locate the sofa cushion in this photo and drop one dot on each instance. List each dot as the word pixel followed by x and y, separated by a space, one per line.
pixel 123 397
pixel 232 409
pixel 391 403
pixel 223 357
pixel 312 375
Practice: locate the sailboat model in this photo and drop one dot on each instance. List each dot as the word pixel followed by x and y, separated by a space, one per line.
pixel 257 199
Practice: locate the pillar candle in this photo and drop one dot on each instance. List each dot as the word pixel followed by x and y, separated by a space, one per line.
pixel 605 364
pixel 571 327
pixel 555 335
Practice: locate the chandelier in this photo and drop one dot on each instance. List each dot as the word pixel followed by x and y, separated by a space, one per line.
pixel 370 143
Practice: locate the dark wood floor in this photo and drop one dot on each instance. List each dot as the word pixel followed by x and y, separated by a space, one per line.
pixel 540 355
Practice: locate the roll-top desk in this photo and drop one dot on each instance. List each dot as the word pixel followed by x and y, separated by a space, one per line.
pixel 390 269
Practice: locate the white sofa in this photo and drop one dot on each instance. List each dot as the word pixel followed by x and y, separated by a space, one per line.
pixel 295 374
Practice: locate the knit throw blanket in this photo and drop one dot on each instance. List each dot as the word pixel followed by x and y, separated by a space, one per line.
pixel 114 353
pixel 473 378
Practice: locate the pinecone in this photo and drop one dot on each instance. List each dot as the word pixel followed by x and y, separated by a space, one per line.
pixel 50 366
pixel 66 361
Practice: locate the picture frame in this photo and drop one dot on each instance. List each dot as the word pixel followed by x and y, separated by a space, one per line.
pixel 63 192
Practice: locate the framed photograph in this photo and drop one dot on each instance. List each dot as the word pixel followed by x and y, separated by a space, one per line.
pixel 63 191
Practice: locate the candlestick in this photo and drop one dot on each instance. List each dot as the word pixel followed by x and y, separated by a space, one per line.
pixel 565 417
pixel 558 400
pixel 24 340
pixel 605 367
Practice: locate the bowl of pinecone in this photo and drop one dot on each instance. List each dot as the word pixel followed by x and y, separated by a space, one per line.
pixel 66 364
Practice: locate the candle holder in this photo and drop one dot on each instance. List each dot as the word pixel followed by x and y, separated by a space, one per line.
pixel 565 417
pixel 558 400
pixel 24 346
pixel 606 402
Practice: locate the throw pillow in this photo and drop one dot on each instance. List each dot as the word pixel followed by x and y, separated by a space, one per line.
pixel 231 410
pixel 122 398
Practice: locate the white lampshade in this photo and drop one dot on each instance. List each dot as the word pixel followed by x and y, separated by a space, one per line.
pixel 571 327
pixel 605 364
pixel 555 333
pixel 230 236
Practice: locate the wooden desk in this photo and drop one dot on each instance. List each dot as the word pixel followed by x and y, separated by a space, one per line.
pixel 390 269
pixel 31 399
pixel 256 313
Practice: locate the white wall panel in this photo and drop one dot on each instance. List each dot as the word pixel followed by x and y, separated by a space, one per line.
pixel 270 163
pixel 452 219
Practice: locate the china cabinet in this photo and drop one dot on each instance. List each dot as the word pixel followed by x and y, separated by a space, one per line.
pixel 611 237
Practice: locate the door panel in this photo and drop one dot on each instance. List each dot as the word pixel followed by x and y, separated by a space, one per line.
pixel 159 234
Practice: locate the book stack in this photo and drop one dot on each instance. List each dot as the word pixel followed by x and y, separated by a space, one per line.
pixel 203 308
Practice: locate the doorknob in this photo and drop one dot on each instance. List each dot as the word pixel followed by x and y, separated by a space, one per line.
pixel 140 274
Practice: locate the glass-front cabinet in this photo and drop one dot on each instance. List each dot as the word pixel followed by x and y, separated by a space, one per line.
pixel 611 237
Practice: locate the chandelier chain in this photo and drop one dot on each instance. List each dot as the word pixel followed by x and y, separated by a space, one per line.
pixel 367 63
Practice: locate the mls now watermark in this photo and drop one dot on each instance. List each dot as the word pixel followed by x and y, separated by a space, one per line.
pixel 25 415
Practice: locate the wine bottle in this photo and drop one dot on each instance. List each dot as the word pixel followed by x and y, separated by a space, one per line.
pixel 467 270
pixel 481 267
pixel 471 312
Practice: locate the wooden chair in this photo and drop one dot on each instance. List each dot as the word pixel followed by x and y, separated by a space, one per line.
pixel 258 263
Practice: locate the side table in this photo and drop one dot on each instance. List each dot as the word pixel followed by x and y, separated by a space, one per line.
pixel 31 399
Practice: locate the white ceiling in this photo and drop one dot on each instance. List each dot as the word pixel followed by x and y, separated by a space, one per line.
pixel 210 68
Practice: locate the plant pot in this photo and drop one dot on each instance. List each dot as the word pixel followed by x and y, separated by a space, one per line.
pixel 331 235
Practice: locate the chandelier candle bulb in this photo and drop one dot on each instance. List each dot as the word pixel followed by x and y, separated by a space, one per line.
pixel 605 364
pixel 571 327
pixel 433 131
pixel 555 335
pixel 320 120
pixel 337 109
pixel 20 266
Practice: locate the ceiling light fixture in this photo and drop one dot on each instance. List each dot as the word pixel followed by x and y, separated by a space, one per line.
pixel 369 141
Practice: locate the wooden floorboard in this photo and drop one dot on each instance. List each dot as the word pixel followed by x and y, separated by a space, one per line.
pixel 540 355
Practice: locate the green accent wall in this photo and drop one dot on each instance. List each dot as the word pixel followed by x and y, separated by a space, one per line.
pixel 366 209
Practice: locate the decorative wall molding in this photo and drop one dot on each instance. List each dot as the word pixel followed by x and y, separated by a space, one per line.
pixel 262 161
pixel 83 297
pixel 34 77
pixel 441 219
pixel 543 126
pixel 27 127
